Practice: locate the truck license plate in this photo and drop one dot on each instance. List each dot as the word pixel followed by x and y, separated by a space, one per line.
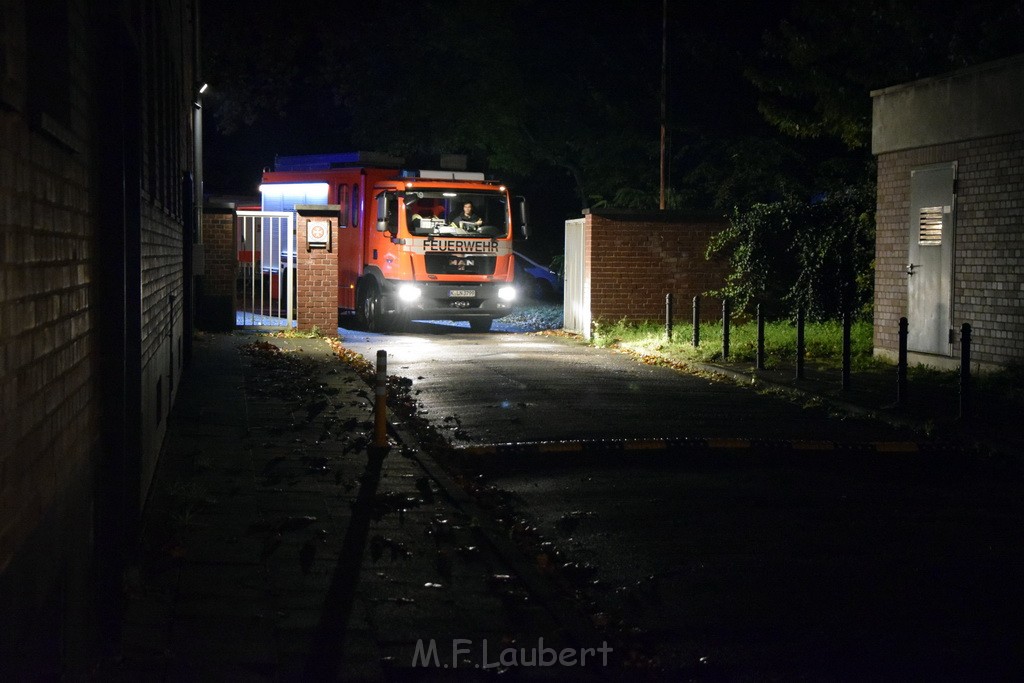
pixel 461 292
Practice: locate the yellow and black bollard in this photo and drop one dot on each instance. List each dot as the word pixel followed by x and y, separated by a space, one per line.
pixel 380 405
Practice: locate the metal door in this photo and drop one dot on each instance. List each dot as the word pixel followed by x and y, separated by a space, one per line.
pixel 930 258
pixel 576 294
pixel 265 285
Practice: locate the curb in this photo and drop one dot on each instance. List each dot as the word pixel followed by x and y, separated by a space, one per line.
pixel 561 610
pixel 700 445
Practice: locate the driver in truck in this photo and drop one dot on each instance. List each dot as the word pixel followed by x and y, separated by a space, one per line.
pixel 468 215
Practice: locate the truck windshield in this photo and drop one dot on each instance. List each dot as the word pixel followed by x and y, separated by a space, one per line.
pixel 456 212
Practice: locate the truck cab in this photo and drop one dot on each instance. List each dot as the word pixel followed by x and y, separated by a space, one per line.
pixel 414 244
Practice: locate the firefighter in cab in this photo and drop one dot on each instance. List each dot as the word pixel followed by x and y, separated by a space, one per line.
pixel 467 220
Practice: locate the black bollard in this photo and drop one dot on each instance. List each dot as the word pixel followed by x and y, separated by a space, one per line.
pixel 696 321
pixel 760 339
pixel 668 316
pixel 965 371
pixel 725 329
pixel 800 346
pixel 901 365
pixel 847 325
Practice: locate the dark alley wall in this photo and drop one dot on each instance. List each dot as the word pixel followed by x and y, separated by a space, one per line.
pixel 96 103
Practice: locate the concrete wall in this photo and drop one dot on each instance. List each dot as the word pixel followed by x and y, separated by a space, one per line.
pixel 95 136
pixel 633 259
pixel 982 101
pixel 975 118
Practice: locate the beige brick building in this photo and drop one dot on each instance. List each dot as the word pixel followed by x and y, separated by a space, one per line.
pixel 950 219
pixel 96 185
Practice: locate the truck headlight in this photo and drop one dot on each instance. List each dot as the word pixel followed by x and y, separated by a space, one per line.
pixel 507 293
pixel 409 292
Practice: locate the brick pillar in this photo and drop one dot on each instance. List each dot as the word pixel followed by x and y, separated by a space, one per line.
pixel 215 295
pixel 317 285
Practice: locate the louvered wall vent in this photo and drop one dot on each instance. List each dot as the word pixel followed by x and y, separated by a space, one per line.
pixel 930 227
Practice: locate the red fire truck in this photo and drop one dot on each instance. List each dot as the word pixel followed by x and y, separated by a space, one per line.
pixel 412 244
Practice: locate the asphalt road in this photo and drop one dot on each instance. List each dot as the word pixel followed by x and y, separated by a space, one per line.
pixel 504 387
pixel 768 566
pixel 757 563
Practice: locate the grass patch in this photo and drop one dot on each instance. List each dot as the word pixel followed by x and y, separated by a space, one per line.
pixel 822 341
pixel 292 333
pixel 823 347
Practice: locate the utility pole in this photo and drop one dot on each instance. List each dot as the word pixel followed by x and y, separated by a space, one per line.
pixel 664 87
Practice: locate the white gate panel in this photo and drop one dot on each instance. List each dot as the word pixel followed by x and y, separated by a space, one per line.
pixel 265 286
pixel 576 293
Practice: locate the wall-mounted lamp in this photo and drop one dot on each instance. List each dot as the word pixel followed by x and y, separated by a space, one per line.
pixel 200 89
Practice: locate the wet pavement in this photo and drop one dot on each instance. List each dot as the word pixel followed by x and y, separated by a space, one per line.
pixel 279 544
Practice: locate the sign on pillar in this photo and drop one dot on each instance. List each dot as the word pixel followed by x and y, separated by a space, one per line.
pixel 317 267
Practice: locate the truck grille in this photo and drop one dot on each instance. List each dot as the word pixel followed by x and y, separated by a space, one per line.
pixel 459 264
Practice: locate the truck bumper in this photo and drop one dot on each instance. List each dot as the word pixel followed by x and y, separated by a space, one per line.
pixel 449 300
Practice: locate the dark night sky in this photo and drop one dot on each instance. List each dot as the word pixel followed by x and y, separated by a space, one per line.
pixel 699 78
pixel 709 45
pixel 705 85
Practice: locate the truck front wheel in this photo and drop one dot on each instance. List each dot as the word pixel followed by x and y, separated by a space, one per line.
pixel 371 313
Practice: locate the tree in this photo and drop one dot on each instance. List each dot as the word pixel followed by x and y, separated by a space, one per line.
pixel 817 68
pixel 790 254
pixel 814 76
pixel 518 86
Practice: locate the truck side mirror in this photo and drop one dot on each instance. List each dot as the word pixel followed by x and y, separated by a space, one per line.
pixel 522 225
pixel 387 212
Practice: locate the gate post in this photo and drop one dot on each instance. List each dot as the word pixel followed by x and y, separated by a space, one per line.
pixel 315 273
pixel 216 272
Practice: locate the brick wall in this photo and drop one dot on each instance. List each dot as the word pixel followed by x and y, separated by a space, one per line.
pixel 317 286
pixel 161 280
pixel 95 134
pixel 635 259
pixel 988 286
pixel 221 256
pixel 49 411
pixel 46 340
pixel 217 299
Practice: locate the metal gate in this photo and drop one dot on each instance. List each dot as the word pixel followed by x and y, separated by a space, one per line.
pixel 930 259
pixel 265 285
pixel 576 296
